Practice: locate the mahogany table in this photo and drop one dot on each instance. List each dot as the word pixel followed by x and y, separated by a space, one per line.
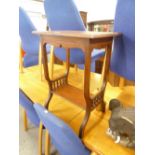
pixel 86 41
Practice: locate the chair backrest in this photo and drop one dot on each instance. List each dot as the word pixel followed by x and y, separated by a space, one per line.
pixel 123 56
pixel 29 41
pixel 64 15
pixel 63 138
pixel 27 104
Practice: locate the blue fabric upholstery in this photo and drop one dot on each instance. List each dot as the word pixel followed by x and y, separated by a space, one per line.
pixel 93 66
pixel 64 15
pixel 29 41
pixel 123 56
pixel 27 104
pixel 63 138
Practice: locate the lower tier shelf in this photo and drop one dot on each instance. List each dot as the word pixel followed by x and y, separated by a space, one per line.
pixel 73 94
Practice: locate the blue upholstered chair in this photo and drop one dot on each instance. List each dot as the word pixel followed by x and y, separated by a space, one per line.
pixel 64 15
pixel 30 112
pixel 29 41
pixel 27 104
pixel 123 56
pixel 63 138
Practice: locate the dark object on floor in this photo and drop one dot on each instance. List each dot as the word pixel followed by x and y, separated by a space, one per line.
pixel 122 123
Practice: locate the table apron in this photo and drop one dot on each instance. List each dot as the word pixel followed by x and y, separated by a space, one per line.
pixel 65 42
pixel 83 44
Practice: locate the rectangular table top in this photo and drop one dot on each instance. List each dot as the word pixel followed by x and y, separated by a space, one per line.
pixel 78 34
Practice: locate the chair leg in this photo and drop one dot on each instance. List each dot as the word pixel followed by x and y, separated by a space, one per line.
pixel 25 120
pixel 47 143
pixel 40 62
pixel 76 68
pixel 65 65
pixel 20 59
pixel 40 139
pixel 52 62
pixel 121 82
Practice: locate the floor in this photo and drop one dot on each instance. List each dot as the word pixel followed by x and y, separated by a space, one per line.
pixel 29 138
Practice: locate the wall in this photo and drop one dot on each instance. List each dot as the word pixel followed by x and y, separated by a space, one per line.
pixel 97 9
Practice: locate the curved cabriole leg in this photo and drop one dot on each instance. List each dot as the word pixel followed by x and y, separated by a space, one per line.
pixel 48 100
pixel 84 122
pixel 103 106
pixel 40 139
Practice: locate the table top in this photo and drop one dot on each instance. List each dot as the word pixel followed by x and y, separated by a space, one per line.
pixel 95 137
pixel 78 34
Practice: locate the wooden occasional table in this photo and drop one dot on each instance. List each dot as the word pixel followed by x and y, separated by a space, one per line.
pixel 86 41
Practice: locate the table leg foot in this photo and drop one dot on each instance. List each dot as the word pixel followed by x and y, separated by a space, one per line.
pixel 84 122
pixel 48 100
pixel 101 107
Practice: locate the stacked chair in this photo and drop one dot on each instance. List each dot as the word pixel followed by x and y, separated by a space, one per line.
pixel 29 42
pixel 62 136
pixel 123 55
pixel 30 112
pixel 64 15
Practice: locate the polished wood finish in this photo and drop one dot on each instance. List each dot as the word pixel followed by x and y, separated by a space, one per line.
pixel 70 95
pixel 87 41
pixel 75 35
pixel 95 137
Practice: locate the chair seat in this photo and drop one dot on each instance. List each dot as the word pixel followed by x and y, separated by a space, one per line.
pixel 32 59
pixel 79 57
pixel 28 106
pixel 96 54
pixel 61 134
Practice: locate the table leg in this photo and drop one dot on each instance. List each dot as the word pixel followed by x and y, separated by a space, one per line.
pixel 46 73
pixel 67 61
pixel 48 99
pixel 86 90
pixel 105 70
pixel 84 123
pixel 45 63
